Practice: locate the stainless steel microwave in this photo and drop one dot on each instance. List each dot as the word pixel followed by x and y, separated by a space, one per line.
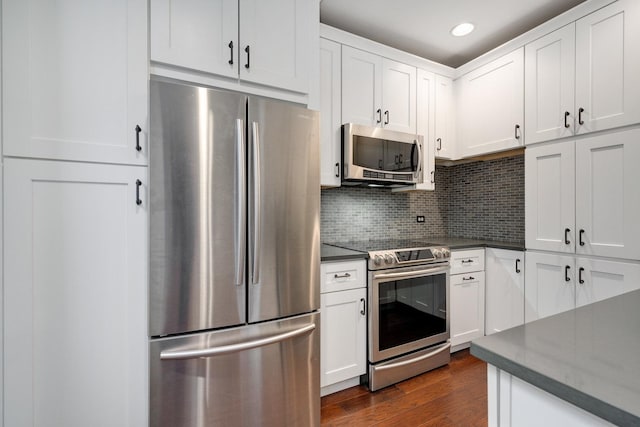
pixel 372 155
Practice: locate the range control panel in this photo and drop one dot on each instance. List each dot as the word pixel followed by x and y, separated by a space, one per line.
pixel 400 257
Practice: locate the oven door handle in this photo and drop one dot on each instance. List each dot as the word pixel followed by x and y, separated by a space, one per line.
pixel 417 359
pixel 411 274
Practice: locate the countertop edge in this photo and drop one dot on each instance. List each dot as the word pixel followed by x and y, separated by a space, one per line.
pixel 569 394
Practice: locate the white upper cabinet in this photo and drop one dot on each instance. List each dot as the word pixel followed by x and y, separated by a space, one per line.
pixel 582 197
pixel 425 124
pixel 445 143
pixel 607 195
pixel 398 96
pixel 377 91
pixel 549 86
pixel 608 66
pixel 550 197
pixel 75 80
pixel 267 43
pixel 598 56
pixel 361 87
pixel 196 34
pixel 504 289
pixel 330 113
pixel 275 41
pixel 491 106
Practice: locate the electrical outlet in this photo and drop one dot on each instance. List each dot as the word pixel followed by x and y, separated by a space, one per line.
pixel 420 218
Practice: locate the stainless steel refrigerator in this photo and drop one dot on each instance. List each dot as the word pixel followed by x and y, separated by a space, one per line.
pixel 234 260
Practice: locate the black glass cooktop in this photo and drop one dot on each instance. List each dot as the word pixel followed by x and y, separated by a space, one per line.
pixel 384 245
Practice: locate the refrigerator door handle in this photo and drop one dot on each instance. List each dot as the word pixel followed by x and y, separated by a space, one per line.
pixel 235 348
pixel 241 203
pixel 257 220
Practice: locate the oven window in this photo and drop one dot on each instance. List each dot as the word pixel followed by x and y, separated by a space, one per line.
pixel 411 309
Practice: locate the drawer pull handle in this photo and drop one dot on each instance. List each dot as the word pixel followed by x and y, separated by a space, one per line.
pixel 467 261
pixel 341 276
pixel 469 278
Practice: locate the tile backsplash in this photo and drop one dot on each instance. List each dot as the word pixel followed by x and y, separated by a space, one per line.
pixel 473 200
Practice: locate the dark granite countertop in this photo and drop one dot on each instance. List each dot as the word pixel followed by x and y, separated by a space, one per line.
pixel 334 253
pixel 589 356
pixel 462 243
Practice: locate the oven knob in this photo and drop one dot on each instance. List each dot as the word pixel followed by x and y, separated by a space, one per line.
pixel 446 253
pixel 437 253
pixel 388 259
pixel 377 260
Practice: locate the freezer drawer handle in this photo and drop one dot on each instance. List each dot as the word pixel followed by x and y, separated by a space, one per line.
pixel 417 359
pixel 235 348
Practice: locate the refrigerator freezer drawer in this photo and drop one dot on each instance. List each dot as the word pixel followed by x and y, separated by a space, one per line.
pixel 266 374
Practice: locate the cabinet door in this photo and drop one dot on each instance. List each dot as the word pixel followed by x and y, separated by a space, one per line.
pixel 550 197
pixel 343 336
pixel 492 106
pixel 547 290
pixel 275 41
pixel 504 291
pixel 398 96
pixel 75 289
pixel 445 144
pixel 361 87
pixel 467 307
pixel 75 80
pixel 607 195
pixel 549 85
pixel 195 34
pixel 330 115
pixel 608 66
pixel 599 279
pixel 425 125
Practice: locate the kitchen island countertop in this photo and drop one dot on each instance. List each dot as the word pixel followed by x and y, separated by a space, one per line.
pixel 589 356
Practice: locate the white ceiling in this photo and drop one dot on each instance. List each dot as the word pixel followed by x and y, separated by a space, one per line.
pixel 422 27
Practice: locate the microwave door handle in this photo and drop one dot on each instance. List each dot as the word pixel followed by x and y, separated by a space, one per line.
pixel 419 165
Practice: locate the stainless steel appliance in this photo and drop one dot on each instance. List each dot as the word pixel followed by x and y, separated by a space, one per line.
pixel 235 258
pixel 379 156
pixel 408 319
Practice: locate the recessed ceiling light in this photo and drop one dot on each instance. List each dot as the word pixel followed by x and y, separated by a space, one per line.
pixel 462 29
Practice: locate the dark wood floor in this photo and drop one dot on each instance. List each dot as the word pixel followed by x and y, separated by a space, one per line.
pixel 454 395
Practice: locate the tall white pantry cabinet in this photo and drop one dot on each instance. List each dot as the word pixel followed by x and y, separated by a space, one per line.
pixel 75 213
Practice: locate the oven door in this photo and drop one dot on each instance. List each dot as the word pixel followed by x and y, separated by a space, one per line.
pixel 409 310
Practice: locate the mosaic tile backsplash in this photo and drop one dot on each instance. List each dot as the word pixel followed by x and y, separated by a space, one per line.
pixel 474 200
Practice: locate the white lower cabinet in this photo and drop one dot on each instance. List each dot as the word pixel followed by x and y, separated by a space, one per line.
pixel 557 283
pixel 504 290
pixel 343 332
pixel 467 297
pixel 75 294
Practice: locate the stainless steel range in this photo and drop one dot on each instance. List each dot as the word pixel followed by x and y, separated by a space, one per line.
pixel 408 320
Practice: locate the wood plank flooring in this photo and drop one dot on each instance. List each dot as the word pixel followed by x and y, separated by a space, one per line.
pixel 454 395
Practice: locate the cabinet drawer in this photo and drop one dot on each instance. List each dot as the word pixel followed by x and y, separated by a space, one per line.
pixel 467 261
pixel 342 275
